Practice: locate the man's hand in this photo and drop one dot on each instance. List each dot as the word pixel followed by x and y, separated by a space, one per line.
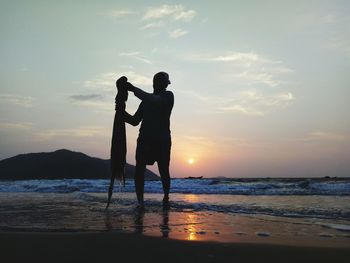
pixel 129 86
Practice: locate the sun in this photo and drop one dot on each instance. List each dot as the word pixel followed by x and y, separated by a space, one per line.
pixel 190 161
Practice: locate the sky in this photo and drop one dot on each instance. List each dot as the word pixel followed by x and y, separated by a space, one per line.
pixel 261 87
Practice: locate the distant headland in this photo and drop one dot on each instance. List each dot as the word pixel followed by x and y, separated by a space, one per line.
pixel 60 164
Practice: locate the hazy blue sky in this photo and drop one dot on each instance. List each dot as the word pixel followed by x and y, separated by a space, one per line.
pixel 261 87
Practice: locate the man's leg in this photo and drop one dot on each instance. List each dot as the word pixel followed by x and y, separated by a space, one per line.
pixel 163 167
pixel 140 180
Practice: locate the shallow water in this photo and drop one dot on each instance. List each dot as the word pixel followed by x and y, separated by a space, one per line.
pixel 221 218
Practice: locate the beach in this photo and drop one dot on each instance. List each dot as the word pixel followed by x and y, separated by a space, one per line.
pixel 71 227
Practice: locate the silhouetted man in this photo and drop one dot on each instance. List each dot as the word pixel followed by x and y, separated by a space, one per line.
pixel 154 141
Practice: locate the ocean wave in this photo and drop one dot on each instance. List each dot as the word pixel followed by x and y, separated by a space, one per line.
pixel 250 208
pixel 190 186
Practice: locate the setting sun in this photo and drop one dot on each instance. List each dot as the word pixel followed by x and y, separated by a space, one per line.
pixel 190 161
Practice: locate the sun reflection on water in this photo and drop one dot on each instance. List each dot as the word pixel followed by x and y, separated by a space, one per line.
pixel 191 221
pixel 191 198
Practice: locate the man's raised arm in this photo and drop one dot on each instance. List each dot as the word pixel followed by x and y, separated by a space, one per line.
pixel 135 119
pixel 145 96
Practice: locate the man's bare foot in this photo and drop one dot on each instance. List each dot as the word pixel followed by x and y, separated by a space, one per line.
pixel 165 199
pixel 141 205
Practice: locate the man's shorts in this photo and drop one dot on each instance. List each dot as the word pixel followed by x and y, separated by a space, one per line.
pixel 149 150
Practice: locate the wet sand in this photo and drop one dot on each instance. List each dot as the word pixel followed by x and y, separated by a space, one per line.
pixel 77 228
pixel 119 247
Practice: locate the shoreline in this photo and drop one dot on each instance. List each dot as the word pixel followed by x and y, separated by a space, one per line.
pixel 99 246
pixel 185 219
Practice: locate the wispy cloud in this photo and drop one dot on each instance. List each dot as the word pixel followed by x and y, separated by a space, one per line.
pixel 177 33
pixel 106 81
pixel 175 12
pixel 103 105
pixel 87 97
pixel 253 77
pixel 16 126
pixel 339 43
pixel 157 24
pixel 242 109
pixel 332 27
pixel 119 13
pixel 81 132
pixel 165 16
pixel 18 100
pixel 99 91
pixel 95 101
pixel 136 55
pixel 246 68
pixel 152 18
pixel 308 20
pixel 257 104
pixel 200 140
pixel 327 136
pixel 102 86
pixel 247 102
pixel 197 144
pixel 245 57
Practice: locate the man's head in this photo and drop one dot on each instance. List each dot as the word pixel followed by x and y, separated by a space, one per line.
pixel 161 81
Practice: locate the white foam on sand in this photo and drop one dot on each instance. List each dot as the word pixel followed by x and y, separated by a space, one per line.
pixel 339 227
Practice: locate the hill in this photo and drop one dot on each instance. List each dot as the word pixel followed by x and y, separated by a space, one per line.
pixel 60 164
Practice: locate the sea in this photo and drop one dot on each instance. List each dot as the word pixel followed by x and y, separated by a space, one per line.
pixel 79 205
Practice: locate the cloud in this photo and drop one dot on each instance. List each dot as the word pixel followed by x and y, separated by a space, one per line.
pixel 96 101
pixel 198 144
pixel 164 15
pixel 248 57
pixel 175 12
pixel 327 136
pixel 339 43
pixel 332 28
pixel 157 24
pixel 256 103
pixel 247 102
pixel 81 132
pixel 241 109
pixel 87 97
pixel 177 33
pixel 136 55
pixel 195 95
pixel 158 17
pixel 16 126
pixel 309 20
pixel 23 101
pixel 106 81
pixel 103 88
pixel 199 140
pixel 255 77
pixel 119 13
pixel 246 68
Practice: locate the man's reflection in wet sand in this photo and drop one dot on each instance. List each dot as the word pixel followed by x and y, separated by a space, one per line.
pixel 108 221
pixel 138 219
pixel 164 226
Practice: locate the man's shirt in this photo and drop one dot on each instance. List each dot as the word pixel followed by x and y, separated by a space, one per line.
pixel 154 111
